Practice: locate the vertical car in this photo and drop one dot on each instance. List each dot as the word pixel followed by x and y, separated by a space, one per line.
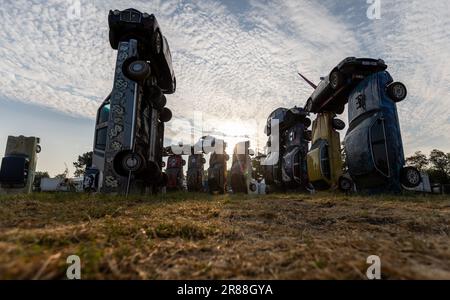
pixel 287 168
pixel 19 164
pixel 217 171
pixel 195 171
pixel 129 133
pixel 174 170
pixel 241 169
pixel 373 144
pixel 324 158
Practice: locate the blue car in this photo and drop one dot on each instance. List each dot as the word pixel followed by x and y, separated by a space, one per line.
pixel 373 144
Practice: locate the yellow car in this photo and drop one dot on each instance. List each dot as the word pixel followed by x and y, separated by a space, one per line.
pixel 324 159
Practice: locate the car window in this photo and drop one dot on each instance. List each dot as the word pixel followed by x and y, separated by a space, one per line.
pixel 100 138
pixel 379 150
pixel 104 113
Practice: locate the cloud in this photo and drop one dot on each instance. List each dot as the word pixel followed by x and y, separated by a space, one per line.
pixel 233 60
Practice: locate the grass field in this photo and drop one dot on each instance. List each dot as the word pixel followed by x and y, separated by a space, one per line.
pixel 196 236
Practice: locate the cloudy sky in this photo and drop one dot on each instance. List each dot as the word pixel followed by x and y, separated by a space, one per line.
pixel 235 61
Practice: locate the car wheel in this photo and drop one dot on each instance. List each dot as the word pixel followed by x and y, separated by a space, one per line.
pixel 252 187
pixel 338 124
pixel 336 79
pixel 410 177
pixel 159 103
pixel 138 70
pixel 307 122
pixel 38 149
pixel 397 91
pixel 127 161
pixel 308 135
pixel 345 184
pixel 165 115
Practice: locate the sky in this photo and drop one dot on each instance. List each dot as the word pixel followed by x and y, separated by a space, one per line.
pixel 235 62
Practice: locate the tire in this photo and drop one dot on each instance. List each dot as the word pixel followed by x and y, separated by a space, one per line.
pixel 38 148
pixel 165 115
pixel 410 177
pixel 155 93
pixel 338 124
pixel 159 103
pixel 397 91
pixel 138 70
pixel 127 161
pixel 203 161
pixel 307 122
pixel 345 184
pixel 336 79
pixel 252 187
pixel 308 135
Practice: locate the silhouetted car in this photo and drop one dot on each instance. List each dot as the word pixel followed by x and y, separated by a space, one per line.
pixel 242 170
pixel 217 171
pixel 174 171
pixel 14 171
pixel 331 94
pixel 373 144
pixel 196 163
pixel 132 24
pixel 286 168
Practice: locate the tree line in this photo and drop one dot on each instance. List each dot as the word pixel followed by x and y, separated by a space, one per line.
pixel 436 165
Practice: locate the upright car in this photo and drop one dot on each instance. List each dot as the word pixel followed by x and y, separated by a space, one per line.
pixel 285 167
pixel 129 130
pixel 373 144
pixel 324 159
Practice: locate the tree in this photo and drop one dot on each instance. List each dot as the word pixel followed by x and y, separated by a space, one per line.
pixel 439 167
pixel 84 161
pixel 440 161
pixel 418 160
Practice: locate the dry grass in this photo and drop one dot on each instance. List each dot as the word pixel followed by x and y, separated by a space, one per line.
pixel 195 236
